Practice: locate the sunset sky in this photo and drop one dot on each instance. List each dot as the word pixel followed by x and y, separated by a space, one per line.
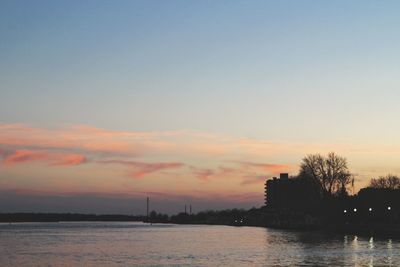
pixel 103 103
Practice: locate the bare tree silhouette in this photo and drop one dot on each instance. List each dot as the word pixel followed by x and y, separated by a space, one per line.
pixel 389 182
pixel 330 173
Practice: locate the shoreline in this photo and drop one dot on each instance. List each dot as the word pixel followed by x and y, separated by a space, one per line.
pixel 360 228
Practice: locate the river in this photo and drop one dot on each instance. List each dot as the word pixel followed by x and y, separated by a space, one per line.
pixel 138 244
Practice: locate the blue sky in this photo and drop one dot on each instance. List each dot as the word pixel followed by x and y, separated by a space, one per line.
pixel 284 71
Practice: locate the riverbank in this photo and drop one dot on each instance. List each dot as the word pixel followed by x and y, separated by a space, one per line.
pixel 298 221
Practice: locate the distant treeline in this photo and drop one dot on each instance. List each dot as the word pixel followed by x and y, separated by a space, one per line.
pixel 57 217
pixel 227 217
pixel 238 217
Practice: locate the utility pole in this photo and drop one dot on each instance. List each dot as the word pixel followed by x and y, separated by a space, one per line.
pixel 147 210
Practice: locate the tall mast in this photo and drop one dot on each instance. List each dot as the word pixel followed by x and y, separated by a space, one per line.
pixel 147 210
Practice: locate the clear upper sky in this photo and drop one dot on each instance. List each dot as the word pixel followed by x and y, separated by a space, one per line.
pixel 179 98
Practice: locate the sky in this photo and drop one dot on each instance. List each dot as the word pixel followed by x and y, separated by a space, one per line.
pixel 103 103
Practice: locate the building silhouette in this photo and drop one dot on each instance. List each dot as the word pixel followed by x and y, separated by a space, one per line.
pixel 292 193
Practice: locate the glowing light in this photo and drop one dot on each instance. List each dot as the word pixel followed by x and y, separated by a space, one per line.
pixel 389 208
pixel 345 211
pixel 355 210
pixel 370 209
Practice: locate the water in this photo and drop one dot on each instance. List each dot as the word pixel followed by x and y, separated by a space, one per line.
pixel 132 244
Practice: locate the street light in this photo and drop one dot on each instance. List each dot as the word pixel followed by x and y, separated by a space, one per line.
pixel 355 210
pixel 389 208
pixel 370 209
pixel 345 211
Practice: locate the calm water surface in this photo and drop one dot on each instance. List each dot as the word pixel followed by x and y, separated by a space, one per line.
pixel 132 244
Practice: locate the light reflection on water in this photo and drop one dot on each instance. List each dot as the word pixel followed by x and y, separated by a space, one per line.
pixel 128 244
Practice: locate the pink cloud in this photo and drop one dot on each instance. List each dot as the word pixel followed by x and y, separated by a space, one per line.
pixel 141 169
pixel 55 159
pixel 267 167
pixel 20 156
pixel 70 160
pixel 202 174
pixel 228 171
pixel 205 174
